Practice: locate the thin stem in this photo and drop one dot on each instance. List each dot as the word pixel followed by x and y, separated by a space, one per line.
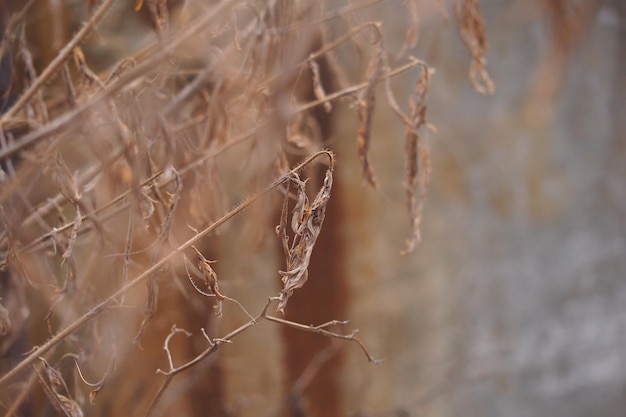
pixel 353 89
pixel 322 331
pixel 123 82
pixel 32 357
pixel 57 61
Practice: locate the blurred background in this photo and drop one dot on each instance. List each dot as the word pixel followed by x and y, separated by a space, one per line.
pixel 514 301
pixel 513 304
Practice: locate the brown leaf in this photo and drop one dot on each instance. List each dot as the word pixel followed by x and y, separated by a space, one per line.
pixel 472 30
pixel 365 112
pixel 416 180
pixel 51 384
pixel 306 223
pixel 210 279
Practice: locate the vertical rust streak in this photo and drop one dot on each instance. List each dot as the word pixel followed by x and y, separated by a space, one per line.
pixel 325 295
pixel 324 298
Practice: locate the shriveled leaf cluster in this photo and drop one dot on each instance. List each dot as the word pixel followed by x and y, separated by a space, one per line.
pixel 306 223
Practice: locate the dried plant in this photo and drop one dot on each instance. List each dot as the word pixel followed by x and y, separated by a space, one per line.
pixel 306 224
pixel 472 31
pixel 366 107
pixel 108 166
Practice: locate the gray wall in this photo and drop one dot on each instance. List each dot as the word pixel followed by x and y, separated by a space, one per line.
pixel 514 301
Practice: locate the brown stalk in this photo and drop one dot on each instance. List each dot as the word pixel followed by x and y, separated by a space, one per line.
pixel 37 109
pixel 89 77
pixel 318 88
pixel 70 91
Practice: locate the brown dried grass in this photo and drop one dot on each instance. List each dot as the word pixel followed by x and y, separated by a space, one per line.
pixel 134 155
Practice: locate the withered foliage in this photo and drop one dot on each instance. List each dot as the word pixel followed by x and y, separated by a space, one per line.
pixel 53 384
pixel 417 161
pixel 472 30
pixel 116 164
pixel 365 111
pixel 306 223
pixel 210 280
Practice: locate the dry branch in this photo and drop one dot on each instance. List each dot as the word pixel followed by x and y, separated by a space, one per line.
pixel 111 299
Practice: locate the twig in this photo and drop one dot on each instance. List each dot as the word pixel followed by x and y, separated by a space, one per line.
pixel 322 331
pixel 57 62
pixel 214 345
pixel 103 305
pixel 123 82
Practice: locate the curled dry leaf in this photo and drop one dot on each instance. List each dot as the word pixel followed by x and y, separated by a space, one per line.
pixel 210 279
pixel 306 223
pixel 52 381
pixel 365 112
pixel 472 30
pixel 416 180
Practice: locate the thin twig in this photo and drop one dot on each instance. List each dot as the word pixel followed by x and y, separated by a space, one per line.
pixel 103 305
pixel 322 331
pixel 57 62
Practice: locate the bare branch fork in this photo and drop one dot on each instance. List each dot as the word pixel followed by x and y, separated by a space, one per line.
pixel 111 299
pixel 215 344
